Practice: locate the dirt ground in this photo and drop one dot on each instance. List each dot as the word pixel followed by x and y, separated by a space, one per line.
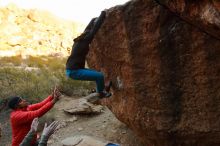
pixel 103 126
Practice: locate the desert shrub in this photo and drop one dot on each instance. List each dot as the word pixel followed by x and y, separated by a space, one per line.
pixel 37 84
pixel 35 62
pixel 31 85
pixel 15 60
pixel 56 64
pixel 51 63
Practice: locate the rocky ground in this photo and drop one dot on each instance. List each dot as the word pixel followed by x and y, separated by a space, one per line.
pixel 102 125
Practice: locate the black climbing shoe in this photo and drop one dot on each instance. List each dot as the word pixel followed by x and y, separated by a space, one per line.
pixel 108 86
pixel 105 94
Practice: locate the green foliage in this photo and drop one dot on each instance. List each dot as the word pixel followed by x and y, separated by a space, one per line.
pixel 37 83
pixel 15 60
pixel 17 82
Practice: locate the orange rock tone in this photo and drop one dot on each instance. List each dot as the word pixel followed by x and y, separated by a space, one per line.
pixel 164 60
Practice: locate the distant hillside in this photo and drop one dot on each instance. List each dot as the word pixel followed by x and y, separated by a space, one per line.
pixel 34 32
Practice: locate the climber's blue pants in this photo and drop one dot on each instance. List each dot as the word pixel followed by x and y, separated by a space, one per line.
pixel 88 75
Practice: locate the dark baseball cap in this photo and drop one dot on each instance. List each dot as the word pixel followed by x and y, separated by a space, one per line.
pixel 14 101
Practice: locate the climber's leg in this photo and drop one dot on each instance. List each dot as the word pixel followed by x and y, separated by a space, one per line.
pixel 90 75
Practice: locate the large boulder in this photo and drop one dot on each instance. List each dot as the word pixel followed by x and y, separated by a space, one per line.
pixel 165 67
pixel 204 14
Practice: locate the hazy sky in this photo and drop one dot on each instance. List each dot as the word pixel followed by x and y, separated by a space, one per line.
pixel 79 10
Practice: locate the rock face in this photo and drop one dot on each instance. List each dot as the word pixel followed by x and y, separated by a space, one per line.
pixel 164 61
pixel 204 14
pixel 82 140
pixel 84 105
pixel 34 32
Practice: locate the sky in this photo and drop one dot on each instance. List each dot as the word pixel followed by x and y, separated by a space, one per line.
pixel 76 10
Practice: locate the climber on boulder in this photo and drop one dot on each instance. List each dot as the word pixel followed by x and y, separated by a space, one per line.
pixel 75 65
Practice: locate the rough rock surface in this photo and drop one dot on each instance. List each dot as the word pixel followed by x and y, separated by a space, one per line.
pixel 84 105
pixel 204 14
pixel 165 71
pixel 82 140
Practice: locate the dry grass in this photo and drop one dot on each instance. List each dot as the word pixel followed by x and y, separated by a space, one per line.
pixel 35 77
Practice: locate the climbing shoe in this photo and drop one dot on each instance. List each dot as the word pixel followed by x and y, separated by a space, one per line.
pixel 104 94
pixel 108 86
pixel 112 144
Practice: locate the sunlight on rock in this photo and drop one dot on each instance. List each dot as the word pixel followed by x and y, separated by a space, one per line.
pixel 35 32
